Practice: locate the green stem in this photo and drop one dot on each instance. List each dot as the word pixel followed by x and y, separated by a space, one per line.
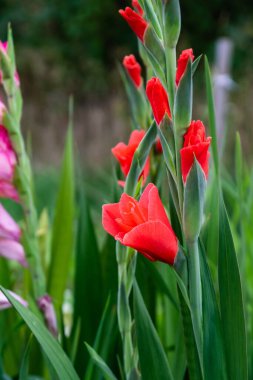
pixel 126 272
pixel 195 290
pixel 170 59
pixel 178 145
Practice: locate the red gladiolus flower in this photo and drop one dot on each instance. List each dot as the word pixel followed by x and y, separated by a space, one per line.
pixel 137 7
pixel 158 99
pixel 124 154
pixel 133 68
pixel 196 145
pixel 182 63
pixel 142 225
pixel 135 21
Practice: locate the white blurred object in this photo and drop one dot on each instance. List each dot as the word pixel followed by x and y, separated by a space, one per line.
pixel 223 84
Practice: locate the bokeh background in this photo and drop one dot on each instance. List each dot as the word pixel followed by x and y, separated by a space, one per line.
pixel 68 47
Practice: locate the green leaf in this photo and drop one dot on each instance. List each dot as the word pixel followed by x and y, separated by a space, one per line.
pixel 24 368
pixel 151 16
pixel 211 115
pixel 195 64
pixel 105 337
pixel 183 101
pixel 172 22
pixel 194 198
pixel 63 231
pixel 155 53
pixel 159 281
pixel 153 361
pixel 55 354
pixel 167 154
pixel 140 158
pixel 192 352
pixel 214 358
pixel 88 300
pixel 101 364
pixel 231 301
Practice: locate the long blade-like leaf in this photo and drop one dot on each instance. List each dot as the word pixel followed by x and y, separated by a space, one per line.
pixel 214 358
pixel 55 354
pixel 231 301
pixel 63 232
pixel 211 115
pixel 153 361
pixel 101 364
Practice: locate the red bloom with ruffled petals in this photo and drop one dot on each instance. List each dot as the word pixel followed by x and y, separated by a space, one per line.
pixel 133 68
pixel 182 63
pixel 158 99
pixel 142 225
pixel 196 144
pixel 124 154
pixel 135 21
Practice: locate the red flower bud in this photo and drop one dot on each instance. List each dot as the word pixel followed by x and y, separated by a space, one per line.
pixel 124 153
pixel 133 68
pixel 182 63
pixel 158 99
pixel 158 146
pixel 142 225
pixel 196 145
pixel 135 21
pixel 137 7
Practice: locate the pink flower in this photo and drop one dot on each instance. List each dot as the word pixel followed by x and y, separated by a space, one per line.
pixel 4 49
pixel 2 111
pixel 7 190
pixel 5 304
pixel 46 306
pixel 10 234
pixel 8 162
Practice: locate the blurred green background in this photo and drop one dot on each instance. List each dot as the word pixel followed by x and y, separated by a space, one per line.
pixel 71 47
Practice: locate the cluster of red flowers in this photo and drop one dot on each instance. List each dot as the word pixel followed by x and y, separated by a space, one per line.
pixel 144 225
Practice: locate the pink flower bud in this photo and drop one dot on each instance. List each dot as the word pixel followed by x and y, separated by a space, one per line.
pixel 5 303
pixel 46 306
pixel 8 162
pixel 10 233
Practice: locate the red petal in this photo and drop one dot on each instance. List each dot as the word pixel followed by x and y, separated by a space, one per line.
pixel 200 151
pixel 130 211
pixel 110 212
pixel 153 239
pixel 144 199
pixel 156 211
